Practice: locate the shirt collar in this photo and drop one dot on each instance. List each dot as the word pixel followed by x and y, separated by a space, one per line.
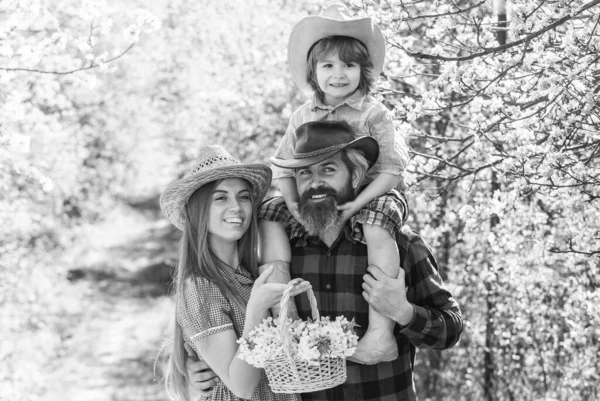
pixel 355 101
pixel 242 275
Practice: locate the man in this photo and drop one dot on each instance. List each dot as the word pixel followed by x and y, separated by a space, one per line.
pixel 328 252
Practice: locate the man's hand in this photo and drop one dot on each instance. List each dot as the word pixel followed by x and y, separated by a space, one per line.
pixel 202 378
pixel 387 295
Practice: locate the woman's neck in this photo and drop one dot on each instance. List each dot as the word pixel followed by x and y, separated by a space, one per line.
pixel 227 252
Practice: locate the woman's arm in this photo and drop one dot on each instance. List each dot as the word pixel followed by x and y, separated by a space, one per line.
pixel 220 350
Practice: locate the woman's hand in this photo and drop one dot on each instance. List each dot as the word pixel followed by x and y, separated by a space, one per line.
pixel 266 295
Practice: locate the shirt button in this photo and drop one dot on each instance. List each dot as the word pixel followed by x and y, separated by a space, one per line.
pixel 328 286
pixel 328 253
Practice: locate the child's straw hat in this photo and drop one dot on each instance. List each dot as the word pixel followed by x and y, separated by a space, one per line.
pixel 213 164
pixel 335 20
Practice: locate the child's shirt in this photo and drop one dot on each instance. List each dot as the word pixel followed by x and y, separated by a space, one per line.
pixel 366 116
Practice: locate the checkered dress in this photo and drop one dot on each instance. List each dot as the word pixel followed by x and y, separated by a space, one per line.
pixel 203 310
pixel 336 276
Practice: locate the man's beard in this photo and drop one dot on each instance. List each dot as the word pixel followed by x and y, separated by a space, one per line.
pixel 320 216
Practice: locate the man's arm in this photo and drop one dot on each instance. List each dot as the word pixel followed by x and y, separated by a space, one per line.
pixel 432 319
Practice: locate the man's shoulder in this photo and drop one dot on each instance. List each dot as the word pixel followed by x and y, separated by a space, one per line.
pixel 409 240
pixel 270 208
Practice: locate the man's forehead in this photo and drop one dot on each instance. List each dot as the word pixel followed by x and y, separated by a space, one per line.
pixel 334 159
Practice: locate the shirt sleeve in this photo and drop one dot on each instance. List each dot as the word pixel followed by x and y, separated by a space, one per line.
pixel 285 150
pixel 275 209
pixel 388 211
pixel 437 321
pixel 202 310
pixel 393 149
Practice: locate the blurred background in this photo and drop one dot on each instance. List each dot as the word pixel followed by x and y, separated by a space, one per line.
pixel 103 103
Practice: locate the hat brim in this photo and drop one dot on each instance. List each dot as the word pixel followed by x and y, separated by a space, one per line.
pixel 368 145
pixel 314 28
pixel 177 194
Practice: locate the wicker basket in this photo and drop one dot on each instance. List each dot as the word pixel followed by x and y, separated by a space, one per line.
pixel 289 373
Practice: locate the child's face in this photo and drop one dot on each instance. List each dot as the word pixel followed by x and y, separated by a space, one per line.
pixel 337 79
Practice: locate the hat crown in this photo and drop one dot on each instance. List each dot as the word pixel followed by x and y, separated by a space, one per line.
pixel 318 136
pixel 337 11
pixel 211 157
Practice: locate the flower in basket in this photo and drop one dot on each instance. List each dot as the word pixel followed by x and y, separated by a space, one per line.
pixel 309 340
pixel 326 338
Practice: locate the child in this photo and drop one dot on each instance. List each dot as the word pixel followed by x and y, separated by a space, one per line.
pixel 217 299
pixel 338 58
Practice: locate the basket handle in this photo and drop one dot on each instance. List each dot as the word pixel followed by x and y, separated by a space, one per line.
pixel 285 305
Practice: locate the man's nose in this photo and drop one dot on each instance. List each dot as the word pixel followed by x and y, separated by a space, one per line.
pixel 316 181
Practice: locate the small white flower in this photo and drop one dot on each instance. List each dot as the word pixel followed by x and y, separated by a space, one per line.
pixel 310 341
pixel 132 33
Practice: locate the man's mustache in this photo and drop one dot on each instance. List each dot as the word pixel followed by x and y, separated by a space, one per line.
pixel 321 190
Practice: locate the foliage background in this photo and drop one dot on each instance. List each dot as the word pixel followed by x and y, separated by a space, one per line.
pixel 102 103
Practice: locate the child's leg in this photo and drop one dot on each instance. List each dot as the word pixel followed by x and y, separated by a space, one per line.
pixel 275 249
pixel 378 344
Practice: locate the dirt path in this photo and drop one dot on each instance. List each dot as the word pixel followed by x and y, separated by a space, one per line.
pixel 112 345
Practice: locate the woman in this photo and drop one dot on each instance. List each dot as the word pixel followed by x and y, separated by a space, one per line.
pixel 217 299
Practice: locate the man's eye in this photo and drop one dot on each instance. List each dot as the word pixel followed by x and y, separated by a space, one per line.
pixel 303 172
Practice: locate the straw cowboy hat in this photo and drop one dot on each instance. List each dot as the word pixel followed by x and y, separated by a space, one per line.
pixel 213 164
pixel 335 20
pixel 319 140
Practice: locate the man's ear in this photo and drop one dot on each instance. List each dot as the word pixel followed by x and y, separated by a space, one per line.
pixel 355 180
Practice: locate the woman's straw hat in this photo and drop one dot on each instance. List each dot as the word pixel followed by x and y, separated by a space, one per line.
pixel 335 20
pixel 213 164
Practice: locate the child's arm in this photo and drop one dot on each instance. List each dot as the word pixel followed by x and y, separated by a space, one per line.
pixel 379 186
pixel 274 243
pixel 275 250
pixel 289 192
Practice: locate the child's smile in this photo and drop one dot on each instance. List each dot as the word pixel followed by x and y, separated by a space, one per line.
pixel 337 79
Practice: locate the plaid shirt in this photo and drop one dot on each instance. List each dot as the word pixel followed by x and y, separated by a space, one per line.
pixel 336 276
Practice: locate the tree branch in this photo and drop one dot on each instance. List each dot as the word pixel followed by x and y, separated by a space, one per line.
pixel 92 65
pixel 497 49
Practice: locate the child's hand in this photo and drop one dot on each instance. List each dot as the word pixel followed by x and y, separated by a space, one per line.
pixel 348 210
pixel 294 210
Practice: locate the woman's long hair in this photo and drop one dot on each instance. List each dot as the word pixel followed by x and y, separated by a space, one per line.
pixel 195 260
